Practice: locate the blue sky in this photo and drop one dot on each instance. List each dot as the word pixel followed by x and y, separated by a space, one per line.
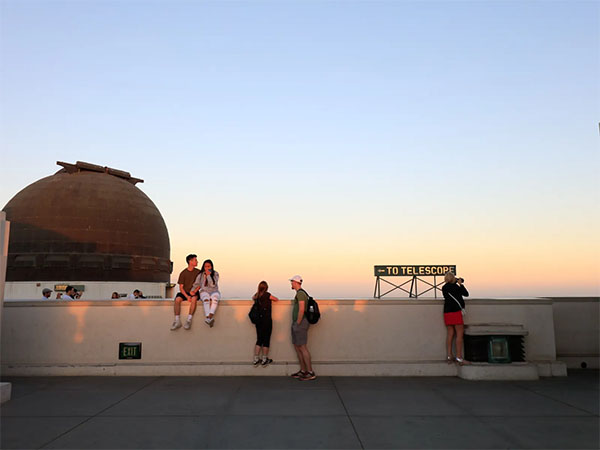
pixel 360 133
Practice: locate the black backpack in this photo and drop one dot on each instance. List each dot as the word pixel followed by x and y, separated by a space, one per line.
pixel 312 312
pixel 254 313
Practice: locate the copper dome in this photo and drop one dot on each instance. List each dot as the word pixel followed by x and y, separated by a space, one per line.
pixel 88 223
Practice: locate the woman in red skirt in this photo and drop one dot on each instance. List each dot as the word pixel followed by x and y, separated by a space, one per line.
pixel 454 307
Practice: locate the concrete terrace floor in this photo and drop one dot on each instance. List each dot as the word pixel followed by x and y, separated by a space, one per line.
pixel 277 412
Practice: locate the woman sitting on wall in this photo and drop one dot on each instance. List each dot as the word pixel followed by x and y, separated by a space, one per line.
pixel 454 309
pixel 207 282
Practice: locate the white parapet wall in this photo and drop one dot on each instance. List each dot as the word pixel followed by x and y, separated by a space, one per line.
pixel 354 337
pixel 577 328
pixel 92 289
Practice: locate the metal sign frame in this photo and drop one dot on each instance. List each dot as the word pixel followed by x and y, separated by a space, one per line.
pixel 414 279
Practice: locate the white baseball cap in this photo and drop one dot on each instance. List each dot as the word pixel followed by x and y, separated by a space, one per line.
pixel 297 278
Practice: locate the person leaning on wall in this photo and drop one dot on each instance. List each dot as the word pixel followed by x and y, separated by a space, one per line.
pixel 300 327
pixel 454 310
pixel 69 294
pixel 264 325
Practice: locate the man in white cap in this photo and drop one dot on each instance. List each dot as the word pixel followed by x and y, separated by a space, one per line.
pixel 300 331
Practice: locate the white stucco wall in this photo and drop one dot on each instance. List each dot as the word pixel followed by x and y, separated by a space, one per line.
pixel 370 337
pixel 577 328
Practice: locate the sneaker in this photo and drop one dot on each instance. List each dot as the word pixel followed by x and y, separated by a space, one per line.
pixel 176 324
pixel 265 362
pixel 207 321
pixel 188 325
pixel 298 374
pixel 308 376
pixel 256 362
pixel 212 322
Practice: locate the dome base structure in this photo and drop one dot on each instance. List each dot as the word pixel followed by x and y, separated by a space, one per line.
pixel 86 222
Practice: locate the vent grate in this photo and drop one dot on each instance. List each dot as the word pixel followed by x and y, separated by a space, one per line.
pixel 476 347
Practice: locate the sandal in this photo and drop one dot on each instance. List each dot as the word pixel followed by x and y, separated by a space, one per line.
pixel 298 374
pixel 450 359
pixel 462 362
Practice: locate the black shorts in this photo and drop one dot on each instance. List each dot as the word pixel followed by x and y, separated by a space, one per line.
pixel 180 295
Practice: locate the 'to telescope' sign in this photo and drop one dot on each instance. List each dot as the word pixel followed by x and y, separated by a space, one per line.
pixel 413 271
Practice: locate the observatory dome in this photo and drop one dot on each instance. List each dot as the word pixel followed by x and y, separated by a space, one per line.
pixel 86 222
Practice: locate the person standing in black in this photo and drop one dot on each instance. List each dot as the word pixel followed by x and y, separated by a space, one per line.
pixel 264 325
pixel 454 308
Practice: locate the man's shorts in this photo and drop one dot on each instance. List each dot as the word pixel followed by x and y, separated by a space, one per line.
pixel 300 332
pixel 204 296
pixel 182 297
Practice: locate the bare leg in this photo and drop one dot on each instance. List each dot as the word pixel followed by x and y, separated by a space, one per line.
pixel 306 357
pixel 256 350
pixel 265 351
pixel 460 330
pixel 177 306
pixel 193 301
pixel 300 358
pixel 449 337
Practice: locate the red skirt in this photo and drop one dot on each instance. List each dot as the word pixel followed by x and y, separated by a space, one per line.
pixel 453 318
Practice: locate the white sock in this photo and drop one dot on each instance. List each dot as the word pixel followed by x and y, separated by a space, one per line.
pixel 177 319
pixel 264 358
pixel 190 317
pixel 256 358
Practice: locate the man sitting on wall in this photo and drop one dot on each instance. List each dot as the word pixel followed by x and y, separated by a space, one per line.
pixel 185 282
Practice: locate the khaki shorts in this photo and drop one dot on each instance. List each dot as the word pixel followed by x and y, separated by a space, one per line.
pixel 300 332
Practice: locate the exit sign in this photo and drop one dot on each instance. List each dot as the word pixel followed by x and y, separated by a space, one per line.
pixel 130 350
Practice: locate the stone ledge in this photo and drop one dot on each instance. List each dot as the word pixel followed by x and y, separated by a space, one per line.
pixel 284 368
pixel 494 329
pixel 16 303
pixel 486 371
pixel 5 392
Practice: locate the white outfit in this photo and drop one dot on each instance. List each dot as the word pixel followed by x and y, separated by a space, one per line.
pixel 66 297
pixel 209 292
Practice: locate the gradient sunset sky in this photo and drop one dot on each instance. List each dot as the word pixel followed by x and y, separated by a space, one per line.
pixel 324 137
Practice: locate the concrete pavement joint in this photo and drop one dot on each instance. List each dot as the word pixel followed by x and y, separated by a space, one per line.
pixel 505 436
pixel 557 400
pixel 221 417
pixel 347 413
pixel 98 413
